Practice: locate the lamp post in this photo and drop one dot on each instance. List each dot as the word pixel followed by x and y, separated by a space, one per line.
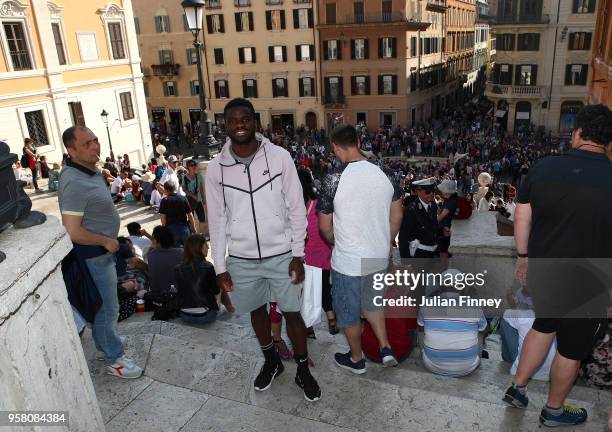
pixel 194 12
pixel 104 116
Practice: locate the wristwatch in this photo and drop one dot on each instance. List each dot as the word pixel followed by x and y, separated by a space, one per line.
pixel 522 255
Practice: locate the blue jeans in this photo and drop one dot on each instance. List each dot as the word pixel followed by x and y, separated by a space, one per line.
pixel 510 341
pixel 181 233
pixel 349 295
pixel 207 318
pixel 104 275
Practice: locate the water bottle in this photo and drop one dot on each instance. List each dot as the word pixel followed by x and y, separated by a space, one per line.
pixel 173 289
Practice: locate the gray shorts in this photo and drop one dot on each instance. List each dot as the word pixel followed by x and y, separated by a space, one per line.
pixel 259 282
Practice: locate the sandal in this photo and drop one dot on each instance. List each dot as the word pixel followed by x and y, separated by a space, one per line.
pixel 283 351
pixel 333 329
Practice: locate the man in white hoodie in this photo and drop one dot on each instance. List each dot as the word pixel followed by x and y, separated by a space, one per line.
pixel 257 216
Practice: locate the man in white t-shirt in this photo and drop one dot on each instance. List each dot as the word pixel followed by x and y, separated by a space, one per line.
pixel 118 183
pixel 140 238
pixel 360 213
pixel 170 175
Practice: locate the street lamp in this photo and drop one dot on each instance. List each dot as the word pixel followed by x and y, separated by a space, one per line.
pixel 104 116
pixel 194 12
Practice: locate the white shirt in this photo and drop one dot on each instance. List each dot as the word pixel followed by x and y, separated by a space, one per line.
pixel 424 204
pixel 117 185
pixel 511 207
pixel 156 198
pixel 141 245
pixel 483 205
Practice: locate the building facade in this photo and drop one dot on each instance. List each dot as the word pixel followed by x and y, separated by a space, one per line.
pixel 600 90
pixel 63 63
pixel 264 52
pixel 541 74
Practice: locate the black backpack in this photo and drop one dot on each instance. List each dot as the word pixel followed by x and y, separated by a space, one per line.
pixel 165 305
pixel 25 161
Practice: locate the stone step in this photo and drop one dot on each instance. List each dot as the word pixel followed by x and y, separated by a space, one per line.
pixel 485 385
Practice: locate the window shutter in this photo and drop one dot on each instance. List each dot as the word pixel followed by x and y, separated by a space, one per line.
pixel 238 22
pixel 251 23
pixel 327 88
pixel 221 24
pixel 584 74
pixel 311 51
pixel 283 25
pixel 339 45
pixel 367 85
pixel 310 19
pixel 366 49
pixel 574 7
pixel 380 84
pixel 380 47
pixel 301 86
pixel 245 89
pixel 217 89
pixel 587 41
pixel 274 89
pixel 271 54
pixel 284 53
pixel 496 74
pixel 517 75
pixel 255 94
pixel 534 74
pixel 394 84
pixel 209 23
pixel 176 91
pixel 352 49
pixel 393 47
pixel 341 86
pixel 165 90
pixel 158 25
pixel 269 20
pixel 591 6
pixel 189 55
pixel 253 56
pixel 296 19
pixel 192 88
pixel 298 53
pixel 161 56
pixel 241 55
pixel 286 87
pixel 568 74
pixel 227 93
pixel 353 86
pixel 166 19
pixel 325 47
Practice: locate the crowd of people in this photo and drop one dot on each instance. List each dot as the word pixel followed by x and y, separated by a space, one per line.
pixel 326 211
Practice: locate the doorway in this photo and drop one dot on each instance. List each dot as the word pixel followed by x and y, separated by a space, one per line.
pixel 361 118
pixel 311 120
pixel 522 117
pixel 176 122
pixel 387 119
pixel 281 121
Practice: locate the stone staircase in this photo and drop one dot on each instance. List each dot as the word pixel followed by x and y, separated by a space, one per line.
pixel 201 379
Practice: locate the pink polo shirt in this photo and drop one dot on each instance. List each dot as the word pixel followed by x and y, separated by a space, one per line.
pixel 318 252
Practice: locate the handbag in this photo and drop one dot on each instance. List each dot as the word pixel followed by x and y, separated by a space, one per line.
pixel 312 295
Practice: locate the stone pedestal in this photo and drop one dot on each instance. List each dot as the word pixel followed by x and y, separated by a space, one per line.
pixel 42 366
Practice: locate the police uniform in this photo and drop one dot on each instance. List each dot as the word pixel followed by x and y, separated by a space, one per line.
pixel 418 233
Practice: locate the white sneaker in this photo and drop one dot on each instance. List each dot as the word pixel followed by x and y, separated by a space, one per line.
pixel 124 368
pixel 100 355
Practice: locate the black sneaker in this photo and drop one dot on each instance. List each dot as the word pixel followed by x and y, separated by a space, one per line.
pixel 306 381
pixel 515 398
pixel 266 376
pixel 388 357
pixel 345 361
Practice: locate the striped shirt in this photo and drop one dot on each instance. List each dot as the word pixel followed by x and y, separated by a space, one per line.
pixel 451 338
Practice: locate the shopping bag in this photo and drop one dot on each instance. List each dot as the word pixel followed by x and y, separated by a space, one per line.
pixel 311 295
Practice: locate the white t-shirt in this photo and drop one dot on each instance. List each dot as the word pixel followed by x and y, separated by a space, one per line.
pixel 117 185
pixel 141 245
pixel 359 195
pixel 483 205
pixel 522 320
pixel 511 207
pixel 156 198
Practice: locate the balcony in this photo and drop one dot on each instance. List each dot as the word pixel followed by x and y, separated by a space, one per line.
pixel 436 6
pixel 242 3
pixel 376 19
pixel 213 4
pixel 502 91
pixel 302 1
pixel 521 19
pixel 164 70
pixel 331 101
pixel 274 2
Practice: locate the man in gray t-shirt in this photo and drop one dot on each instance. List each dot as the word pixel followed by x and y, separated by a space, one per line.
pixel 92 222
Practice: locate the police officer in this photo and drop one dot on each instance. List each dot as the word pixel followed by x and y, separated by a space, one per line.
pixel 419 231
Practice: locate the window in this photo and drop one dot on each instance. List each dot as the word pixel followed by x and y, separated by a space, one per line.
pixel 166 56
pixel 502 74
pixel 302 18
pixel 145 86
pixel 275 19
pixel 360 85
pixel 334 89
pixel 387 8
pixel 526 75
pixel 127 108
pixel 17 46
pixel 330 13
pixel 37 130
pixel 162 24
pixel 304 52
pixel 76 113
pixel 244 21
pixel 249 88
pixel 247 55
pixel 307 87
pixel 59 44
pixel 221 89
pixel 359 49
pixel 194 86
pixel 332 50
pixel 387 84
pixel 218 54
pixel 242 3
pixel 170 88
pixel 528 42
pixel 137 25
pixel 116 40
pixel 358 12
pixel 576 74
pixel 386 47
pixel 580 41
pixel 413 80
pixel 277 54
pixel 413 46
pixel 505 41
pixel 214 24
pixel 583 6
pixel 279 87
pixel 192 56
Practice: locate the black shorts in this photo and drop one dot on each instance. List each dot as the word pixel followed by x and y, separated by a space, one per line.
pixel 199 211
pixel 443 244
pixel 576 337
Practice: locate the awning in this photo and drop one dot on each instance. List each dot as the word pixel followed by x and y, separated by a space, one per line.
pixel 500 113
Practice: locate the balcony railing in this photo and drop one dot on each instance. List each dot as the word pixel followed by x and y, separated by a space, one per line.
pixel 213 4
pixel 242 3
pixel 436 5
pixel 514 91
pixel 274 2
pixel 378 18
pixel 165 69
pixel 302 1
pixel 521 19
pixel 331 100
